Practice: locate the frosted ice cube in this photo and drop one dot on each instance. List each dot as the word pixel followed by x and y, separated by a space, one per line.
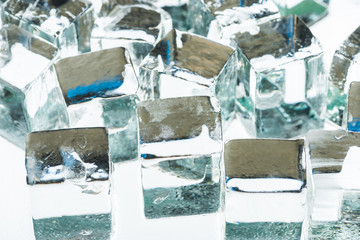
pixel 266 188
pixel 334 212
pixel 65 23
pixel 183 64
pixel 212 17
pixel 67 175
pixel 30 97
pixel 137 27
pixel 180 146
pixel 99 89
pixel 344 70
pixel 309 11
pixel 281 79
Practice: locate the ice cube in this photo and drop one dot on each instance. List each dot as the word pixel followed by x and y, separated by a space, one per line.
pixel 177 10
pixel 137 27
pixel 266 188
pixel 352 110
pixel 67 175
pixel 281 79
pixel 99 89
pixel 30 97
pixel 65 23
pixel 183 64
pixel 180 146
pixel 212 17
pixel 334 212
pixel 344 70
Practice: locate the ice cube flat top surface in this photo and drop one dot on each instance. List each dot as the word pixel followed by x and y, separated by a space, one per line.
pixel 177 118
pixel 54 149
pixel 194 53
pixel 263 158
pixel 283 37
pixel 328 149
pixel 353 109
pixel 92 74
pixel 41 12
pixel 24 56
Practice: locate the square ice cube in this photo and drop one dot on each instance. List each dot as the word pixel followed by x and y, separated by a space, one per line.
pixel 132 25
pixel 178 11
pixel 334 211
pixel 183 64
pixel 99 89
pixel 65 23
pixel 182 177
pixel 266 188
pixel 281 79
pixel 67 175
pixel 30 97
pixel 353 107
pixel 212 18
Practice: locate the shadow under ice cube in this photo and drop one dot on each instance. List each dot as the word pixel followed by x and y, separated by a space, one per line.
pixel 67 175
pixel 65 23
pixel 281 79
pixel 30 97
pixel 180 146
pixel 266 189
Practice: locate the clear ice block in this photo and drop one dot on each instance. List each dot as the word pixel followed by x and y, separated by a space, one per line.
pixel 30 97
pixel 334 212
pixel 136 27
pixel 99 89
pixel 309 11
pixel 65 23
pixel 213 17
pixel 344 70
pixel 266 189
pixel 182 176
pixel 67 176
pixel 183 64
pixel 177 10
pixel 281 79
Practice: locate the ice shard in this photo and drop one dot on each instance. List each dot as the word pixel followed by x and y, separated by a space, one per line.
pixel 265 188
pixel 214 17
pixel 100 91
pixel 344 70
pixel 67 176
pixel 65 23
pixel 182 177
pixel 183 64
pixel 334 212
pixel 281 79
pixel 30 97
pixel 134 25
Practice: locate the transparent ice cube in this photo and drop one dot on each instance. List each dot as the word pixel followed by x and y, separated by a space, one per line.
pixel 177 10
pixel 30 97
pixel 266 189
pixel 183 64
pixel 65 23
pixel 67 175
pixel 212 17
pixel 352 109
pixel 99 89
pixel 344 70
pixel 137 27
pixel 309 11
pixel 182 178
pixel 281 79
pixel 334 212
